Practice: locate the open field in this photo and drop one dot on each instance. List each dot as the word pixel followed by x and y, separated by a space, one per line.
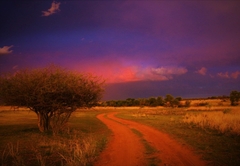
pixel 216 147
pixel 22 144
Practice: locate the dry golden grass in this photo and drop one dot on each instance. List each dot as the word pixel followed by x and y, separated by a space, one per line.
pixel 21 143
pixel 210 102
pixel 44 150
pixel 227 121
pixel 216 148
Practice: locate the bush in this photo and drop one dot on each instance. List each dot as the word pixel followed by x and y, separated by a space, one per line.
pixel 234 97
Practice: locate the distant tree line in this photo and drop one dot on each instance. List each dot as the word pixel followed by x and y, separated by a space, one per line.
pixel 223 97
pixel 168 101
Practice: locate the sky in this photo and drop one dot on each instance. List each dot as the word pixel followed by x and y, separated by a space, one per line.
pixel 140 48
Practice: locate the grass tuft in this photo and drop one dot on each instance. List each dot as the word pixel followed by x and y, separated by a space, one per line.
pixel 12 154
pixel 149 150
pixel 78 149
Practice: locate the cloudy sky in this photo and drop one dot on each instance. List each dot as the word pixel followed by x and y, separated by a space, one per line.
pixel 141 48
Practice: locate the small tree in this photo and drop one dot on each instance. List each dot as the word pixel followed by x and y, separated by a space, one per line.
pixel 52 93
pixel 179 98
pixel 175 102
pixel 169 100
pixel 152 101
pixel 160 101
pixel 234 97
pixel 130 101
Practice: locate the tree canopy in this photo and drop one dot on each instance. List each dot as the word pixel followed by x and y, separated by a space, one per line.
pixel 234 97
pixel 50 92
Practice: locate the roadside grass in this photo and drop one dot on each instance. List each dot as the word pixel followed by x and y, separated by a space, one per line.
pixel 215 147
pixel 211 102
pixel 21 143
pixel 225 122
pixel 150 151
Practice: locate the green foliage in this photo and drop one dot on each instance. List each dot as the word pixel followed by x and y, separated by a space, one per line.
pixel 179 98
pixel 223 97
pixel 169 98
pixel 160 101
pixel 130 102
pixel 234 97
pixel 175 103
pixel 170 101
pixel 152 101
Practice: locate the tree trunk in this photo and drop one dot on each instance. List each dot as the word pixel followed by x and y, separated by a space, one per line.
pixel 43 121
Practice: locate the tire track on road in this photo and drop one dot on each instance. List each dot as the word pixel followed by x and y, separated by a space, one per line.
pixel 171 153
pixel 125 147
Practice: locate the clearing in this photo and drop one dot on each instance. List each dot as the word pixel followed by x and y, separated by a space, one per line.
pixel 127 148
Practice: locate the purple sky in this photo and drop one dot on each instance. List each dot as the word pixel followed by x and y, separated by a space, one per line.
pixel 142 48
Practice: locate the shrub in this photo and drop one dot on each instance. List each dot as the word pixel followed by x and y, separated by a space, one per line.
pixel 52 93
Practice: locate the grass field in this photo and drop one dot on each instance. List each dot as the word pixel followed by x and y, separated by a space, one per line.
pixel 216 147
pixel 21 143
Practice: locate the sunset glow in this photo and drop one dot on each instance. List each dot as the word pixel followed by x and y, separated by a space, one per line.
pixel 141 48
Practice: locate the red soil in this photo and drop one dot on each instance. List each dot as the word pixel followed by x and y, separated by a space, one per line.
pixel 126 149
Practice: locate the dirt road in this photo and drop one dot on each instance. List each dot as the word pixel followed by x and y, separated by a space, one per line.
pixel 126 149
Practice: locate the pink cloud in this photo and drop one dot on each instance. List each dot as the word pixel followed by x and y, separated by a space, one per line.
pixel 202 71
pixel 233 75
pixel 53 9
pixel 154 74
pixel 223 75
pixel 169 70
pixel 5 50
pixel 116 71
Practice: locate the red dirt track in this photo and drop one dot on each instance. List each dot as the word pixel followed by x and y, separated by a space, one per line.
pixel 126 149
